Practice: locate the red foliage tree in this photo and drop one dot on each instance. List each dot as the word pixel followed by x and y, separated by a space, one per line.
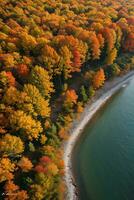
pixel 23 70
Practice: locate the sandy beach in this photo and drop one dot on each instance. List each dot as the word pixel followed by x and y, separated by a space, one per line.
pixel 101 96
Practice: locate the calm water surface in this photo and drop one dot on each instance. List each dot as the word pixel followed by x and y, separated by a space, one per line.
pixel 103 158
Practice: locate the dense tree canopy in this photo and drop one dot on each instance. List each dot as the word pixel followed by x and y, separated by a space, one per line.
pixel 54 55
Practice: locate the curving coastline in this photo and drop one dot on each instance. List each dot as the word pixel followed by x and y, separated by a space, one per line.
pixel 90 109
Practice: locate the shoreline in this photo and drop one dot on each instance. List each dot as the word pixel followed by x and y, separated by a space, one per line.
pixel 102 95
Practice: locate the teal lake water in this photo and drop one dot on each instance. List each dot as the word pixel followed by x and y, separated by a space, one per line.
pixel 103 159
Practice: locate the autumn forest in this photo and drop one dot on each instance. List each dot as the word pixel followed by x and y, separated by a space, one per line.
pixel 54 55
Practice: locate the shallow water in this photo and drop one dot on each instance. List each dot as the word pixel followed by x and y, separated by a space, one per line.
pixel 103 159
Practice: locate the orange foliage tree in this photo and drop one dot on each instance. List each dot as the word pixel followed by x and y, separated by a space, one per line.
pixel 10 78
pixel 71 96
pixel 99 79
pixel 11 145
pixel 25 164
pixel 12 192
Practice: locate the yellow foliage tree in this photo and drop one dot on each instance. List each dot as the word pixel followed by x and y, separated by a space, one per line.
pixel 11 145
pixel 80 107
pixel 26 41
pixel 50 59
pixel 38 191
pixel 8 60
pixel 41 79
pixel 40 105
pixel 43 139
pixel 19 99
pixel 111 56
pixel 13 96
pixel 65 61
pixel 30 128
